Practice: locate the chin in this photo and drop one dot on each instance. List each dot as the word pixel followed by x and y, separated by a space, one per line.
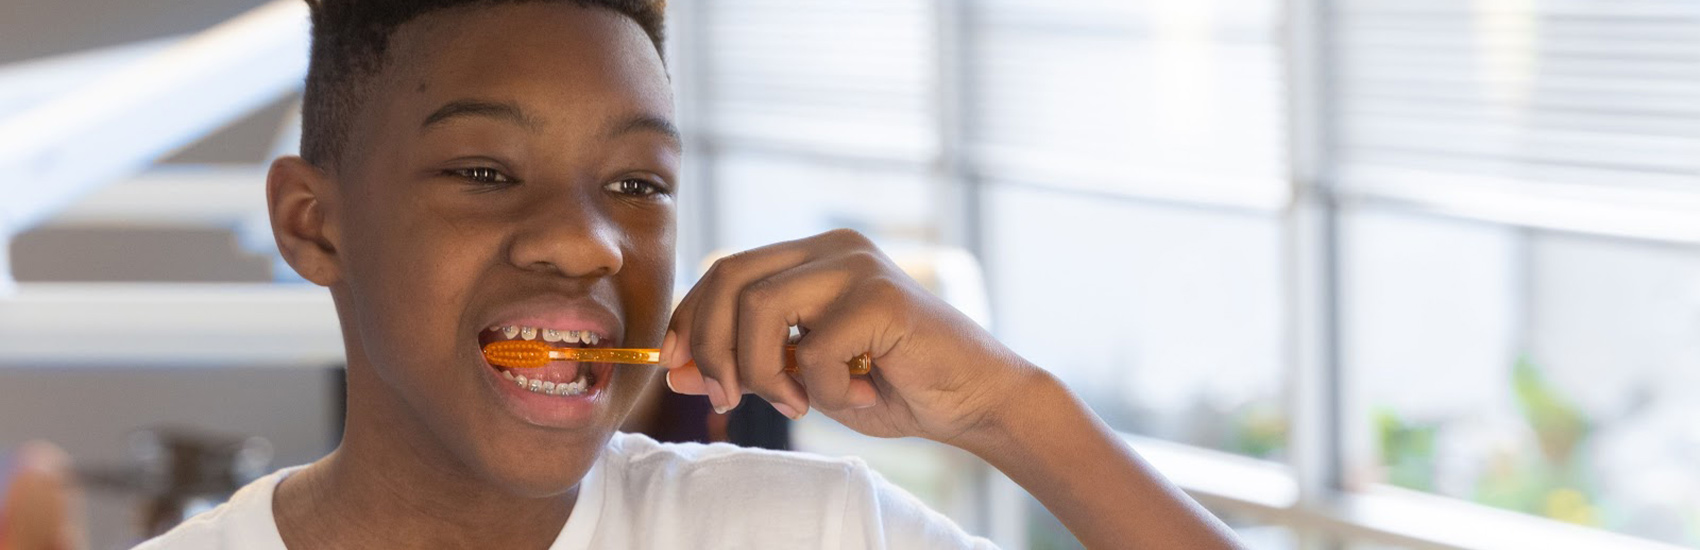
pixel 540 473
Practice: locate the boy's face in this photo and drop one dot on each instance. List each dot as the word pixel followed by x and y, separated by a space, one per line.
pixel 514 166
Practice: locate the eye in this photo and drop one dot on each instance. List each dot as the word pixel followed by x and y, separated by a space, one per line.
pixel 634 187
pixel 482 175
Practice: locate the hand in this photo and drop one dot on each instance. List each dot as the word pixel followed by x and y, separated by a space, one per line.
pixel 40 503
pixel 937 374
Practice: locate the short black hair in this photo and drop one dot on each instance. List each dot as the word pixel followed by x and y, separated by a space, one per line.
pixel 350 38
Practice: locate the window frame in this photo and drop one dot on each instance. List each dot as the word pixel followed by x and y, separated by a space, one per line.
pixel 1308 492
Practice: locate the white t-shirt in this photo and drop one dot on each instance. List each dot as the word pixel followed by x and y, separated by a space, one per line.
pixel 644 494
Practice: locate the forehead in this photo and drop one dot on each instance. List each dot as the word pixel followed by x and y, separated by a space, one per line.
pixel 555 59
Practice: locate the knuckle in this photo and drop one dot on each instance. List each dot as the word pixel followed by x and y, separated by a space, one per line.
pixel 894 298
pixel 715 270
pixel 849 238
pixel 724 267
pixel 758 296
pixel 883 289
pixel 710 279
pixel 865 260
pixel 808 354
pixel 708 357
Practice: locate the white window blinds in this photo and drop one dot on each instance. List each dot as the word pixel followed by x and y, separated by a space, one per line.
pixel 1591 102
pixel 846 77
pixel 1173 97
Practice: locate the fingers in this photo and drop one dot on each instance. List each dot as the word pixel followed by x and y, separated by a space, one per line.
pixel 686 380
pixel 831 387
pixel 855 325
pixel 732 271
pixel 766 310
pixel 738 270
pixel 706 324
pixel 734 323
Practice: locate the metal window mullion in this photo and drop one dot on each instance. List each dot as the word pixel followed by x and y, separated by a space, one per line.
pixel 959 205
pixel 1316 399
pixel 689 26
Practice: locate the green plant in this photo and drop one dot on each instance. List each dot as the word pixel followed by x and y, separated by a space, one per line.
pixel 1559 425
pixel 1407 449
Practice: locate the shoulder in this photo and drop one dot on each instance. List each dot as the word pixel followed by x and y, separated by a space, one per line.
pixel 643 462
pixel 244 521
pixel 637 450
pixel 205 530
pixel 814 497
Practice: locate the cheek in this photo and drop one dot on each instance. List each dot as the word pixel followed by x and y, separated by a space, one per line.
pixel 649 285
pixel 414 281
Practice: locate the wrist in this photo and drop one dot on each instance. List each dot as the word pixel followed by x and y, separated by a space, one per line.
pixel 1030 401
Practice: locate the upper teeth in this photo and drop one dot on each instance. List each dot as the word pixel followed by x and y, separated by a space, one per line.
pixel 568 336
pixel 548 334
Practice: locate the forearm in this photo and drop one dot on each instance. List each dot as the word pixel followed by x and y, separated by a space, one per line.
pixel 1055 447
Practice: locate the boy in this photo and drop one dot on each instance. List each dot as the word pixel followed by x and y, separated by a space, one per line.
pixel 475 171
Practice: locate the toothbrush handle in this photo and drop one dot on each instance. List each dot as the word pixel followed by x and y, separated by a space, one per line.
pixel 859 365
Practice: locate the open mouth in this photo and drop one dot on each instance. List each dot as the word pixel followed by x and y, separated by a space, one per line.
pixel 558 378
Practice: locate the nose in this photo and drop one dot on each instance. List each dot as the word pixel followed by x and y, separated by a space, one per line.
pixel 571 239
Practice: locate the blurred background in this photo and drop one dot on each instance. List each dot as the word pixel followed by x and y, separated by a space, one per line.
pixel 1355 273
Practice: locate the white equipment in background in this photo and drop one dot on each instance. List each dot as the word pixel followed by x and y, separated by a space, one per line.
pixel 79 135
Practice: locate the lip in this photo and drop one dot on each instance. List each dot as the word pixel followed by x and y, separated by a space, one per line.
pixel 560 315
pixel 555 411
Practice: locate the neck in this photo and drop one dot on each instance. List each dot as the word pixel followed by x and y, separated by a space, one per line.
pixel 392 484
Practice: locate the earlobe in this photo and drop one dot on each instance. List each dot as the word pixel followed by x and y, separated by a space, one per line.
pixel 298 196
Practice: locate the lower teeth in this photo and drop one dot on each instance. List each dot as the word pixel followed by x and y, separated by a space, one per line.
pixel 576 387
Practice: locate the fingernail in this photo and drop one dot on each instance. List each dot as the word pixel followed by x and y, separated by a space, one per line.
pixel 787 411
pixel 668 376
pixel 667 344
pixel 717 396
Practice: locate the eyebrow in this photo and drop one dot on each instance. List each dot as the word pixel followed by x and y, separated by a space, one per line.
pixel 511 113
pixel 506 112
pixel 644 123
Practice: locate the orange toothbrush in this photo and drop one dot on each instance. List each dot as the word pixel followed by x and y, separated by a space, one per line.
pixel 530 354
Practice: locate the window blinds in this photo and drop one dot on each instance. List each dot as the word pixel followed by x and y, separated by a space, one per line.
pixel 854 77
pixel 1585 99
pixel 1175 97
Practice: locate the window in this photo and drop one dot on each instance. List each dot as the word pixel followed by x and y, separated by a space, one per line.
pixel 1541 372
pixel 837 77
pixel 1501 288
pixel 1173 337
pixel 1169 98
pixel 1067 144
pixel 1100 132
pixel 1517 268
pixel 808 116
pixel 764 197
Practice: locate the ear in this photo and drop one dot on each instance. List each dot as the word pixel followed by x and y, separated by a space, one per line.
pixel 299 196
